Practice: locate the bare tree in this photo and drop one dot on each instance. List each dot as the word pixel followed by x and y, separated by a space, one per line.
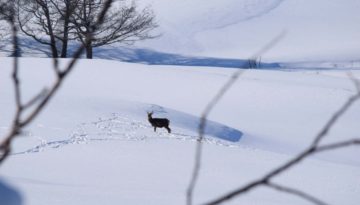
pixel 47 22
pixel 4 31
pixel 123 23
pixel 26 112
pixel 56 22
pixel 38 20
pixel 6 10
pixel 65 31
pixel 5 15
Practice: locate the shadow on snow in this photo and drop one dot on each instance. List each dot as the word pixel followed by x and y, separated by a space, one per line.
pixel 31 48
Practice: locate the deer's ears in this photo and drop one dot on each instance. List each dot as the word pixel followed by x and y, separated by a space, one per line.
pixel 150 113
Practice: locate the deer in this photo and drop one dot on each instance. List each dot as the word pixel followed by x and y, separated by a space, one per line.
pixel 159 122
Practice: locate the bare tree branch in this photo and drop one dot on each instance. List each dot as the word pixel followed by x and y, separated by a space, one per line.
pixel 314 148
pixel 18 123
pixel 208 109
pixel 338 145
pixel 355 81
pixel 295 192
pixel 35 99
pixel 121 24
pixel 5 145
pixel 335 118
pixel 201 130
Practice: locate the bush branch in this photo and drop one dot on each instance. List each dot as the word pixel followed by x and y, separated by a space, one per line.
pixel 314 148
pixel 295 192
pixel 18 123
pixel 206 112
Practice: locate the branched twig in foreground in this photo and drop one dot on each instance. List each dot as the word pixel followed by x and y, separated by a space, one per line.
pixel 295 192
pixel 209 107
pixel 314 148
pixel 202 125
pixel 44 97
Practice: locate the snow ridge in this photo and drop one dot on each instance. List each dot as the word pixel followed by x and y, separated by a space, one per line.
pixel 124 128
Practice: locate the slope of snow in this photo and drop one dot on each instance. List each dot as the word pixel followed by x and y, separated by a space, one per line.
pixel 226 30
pixel 93 143
pixel 316 30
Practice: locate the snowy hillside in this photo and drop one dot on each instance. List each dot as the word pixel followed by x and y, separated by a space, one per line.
pixel 224 33
pixel 93 144
pixel 316 30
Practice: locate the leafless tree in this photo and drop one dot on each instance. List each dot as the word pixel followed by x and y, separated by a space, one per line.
pixel 6 10
pixel 47 22
pixel 56 22
pixel 26 112
pixel 4 32
pixel 64 31
pixel 35 18
pixel 123 23
pixel 5 15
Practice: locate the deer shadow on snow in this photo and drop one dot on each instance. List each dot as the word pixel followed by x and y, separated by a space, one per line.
pixel 190 122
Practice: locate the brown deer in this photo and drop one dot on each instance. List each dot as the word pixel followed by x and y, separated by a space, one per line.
pixel 159 122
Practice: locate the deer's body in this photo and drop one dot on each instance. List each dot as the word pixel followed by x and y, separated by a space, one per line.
pixel 159 122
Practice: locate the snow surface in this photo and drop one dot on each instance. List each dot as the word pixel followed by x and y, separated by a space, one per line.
pixel 316 30
pixel 223 33
pixel 93 143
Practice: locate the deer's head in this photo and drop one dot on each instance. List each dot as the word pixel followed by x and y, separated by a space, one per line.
pixel 150 114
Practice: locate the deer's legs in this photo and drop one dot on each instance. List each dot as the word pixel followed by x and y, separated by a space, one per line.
pixel 168 129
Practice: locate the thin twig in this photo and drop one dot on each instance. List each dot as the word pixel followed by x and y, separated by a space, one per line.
pixel 5 145
pixel 19 123
pixel 314 148
pixel 201 131
pixel 36 98
pixel 295 192
pixel 355 81
pixel 334 118
pixel 337 145
pixel 56 66
pixel 208 108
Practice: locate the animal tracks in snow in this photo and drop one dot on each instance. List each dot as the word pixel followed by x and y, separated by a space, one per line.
pixel 121 128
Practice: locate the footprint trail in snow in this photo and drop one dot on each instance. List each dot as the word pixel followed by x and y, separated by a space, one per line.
pixel 122 128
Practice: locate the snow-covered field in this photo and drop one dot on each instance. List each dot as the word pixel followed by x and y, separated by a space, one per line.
pixel 316 30
pixel 93 144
